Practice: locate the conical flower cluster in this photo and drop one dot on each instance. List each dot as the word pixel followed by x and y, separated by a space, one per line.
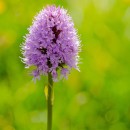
pixel 52 44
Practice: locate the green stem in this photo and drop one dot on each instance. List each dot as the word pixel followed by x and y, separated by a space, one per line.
pixel 49 102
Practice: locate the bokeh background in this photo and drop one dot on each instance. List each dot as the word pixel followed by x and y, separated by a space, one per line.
pixel 97 98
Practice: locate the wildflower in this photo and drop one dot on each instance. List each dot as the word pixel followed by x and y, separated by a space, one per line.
pixel 52 44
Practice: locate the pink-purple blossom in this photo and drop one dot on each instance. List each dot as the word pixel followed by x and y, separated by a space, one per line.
pixel 52 44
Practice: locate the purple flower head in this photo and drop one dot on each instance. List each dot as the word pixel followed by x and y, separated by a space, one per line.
pixel 52 43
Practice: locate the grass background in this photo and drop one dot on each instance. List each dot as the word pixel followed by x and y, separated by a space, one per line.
pixel 97 98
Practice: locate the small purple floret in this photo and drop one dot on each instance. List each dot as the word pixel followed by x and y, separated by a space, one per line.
pixel 52 43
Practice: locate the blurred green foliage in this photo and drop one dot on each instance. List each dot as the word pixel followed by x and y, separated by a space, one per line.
pixel 97 98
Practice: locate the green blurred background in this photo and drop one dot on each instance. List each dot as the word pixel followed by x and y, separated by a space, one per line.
pixel 97 98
